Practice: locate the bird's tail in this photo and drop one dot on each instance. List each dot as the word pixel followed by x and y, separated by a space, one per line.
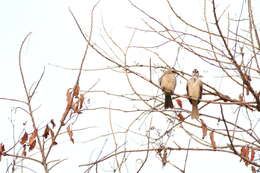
pixel 195 111
pixel 168 101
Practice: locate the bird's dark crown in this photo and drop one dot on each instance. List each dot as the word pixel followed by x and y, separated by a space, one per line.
pixel 195 72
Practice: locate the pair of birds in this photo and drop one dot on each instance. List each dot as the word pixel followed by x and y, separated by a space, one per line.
pixel 194 90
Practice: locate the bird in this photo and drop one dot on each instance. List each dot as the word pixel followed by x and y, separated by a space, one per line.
pixel 168 84
pixel 194 91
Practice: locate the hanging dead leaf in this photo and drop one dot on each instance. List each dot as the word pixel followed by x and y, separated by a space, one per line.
pixel 76 91
pixel 33 136
pixel 67 109
pixel 32 145
pixel 243 150
pixel 246 155
pixel 52 134
pixel 2 150
pixel 179 102
pixel 76 107
pixel 69 96
pixel 246 151
pixel 52 137
pixel 81 100
pixel 52 123
pixel 24 138
pixel 213 143
pixel 70 133
pixel 24 150
pixel 204 129
pixel 164 158
pixel 180 116
pixel 252 154
pixel 46 132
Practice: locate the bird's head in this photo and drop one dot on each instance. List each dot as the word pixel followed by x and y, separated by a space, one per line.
pixel 195 72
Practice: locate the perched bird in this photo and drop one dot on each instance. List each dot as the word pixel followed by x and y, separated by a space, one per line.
pixel 194 91
pixel 168 84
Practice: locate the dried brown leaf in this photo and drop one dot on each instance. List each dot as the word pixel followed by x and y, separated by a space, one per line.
pixel 24 150
pixel 204 129
pixel 242 152
pixel 246 155
pixel 32 145
pixel 179 102
pixel 52 137
pixel 69 96
pixel 81 100
pixel 252 157
pixel 33 136
pixel 76 107
pixel 213 143
pixel 70 133
pixel 164 158
pixel 53 123
pixel 52 134
pixel 180 116
pixel 76 91
pixel 24 138
pixel 2 150
pixel 46 132
pixel 246 151
pixel 67 109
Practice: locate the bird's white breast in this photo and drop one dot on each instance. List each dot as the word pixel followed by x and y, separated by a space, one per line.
pixel 194 88
pixel 168 82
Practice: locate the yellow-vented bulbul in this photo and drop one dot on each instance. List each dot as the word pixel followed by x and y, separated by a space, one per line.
pixel 168 84
pixel 194 91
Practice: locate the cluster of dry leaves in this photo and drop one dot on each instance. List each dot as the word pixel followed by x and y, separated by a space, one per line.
pixel 74 105
pixel 247 156
pixel 204 127
pixel 163 155
pixel 75 101
pixel 247 153
pixel 245 150
pixel 30 142
pixel 77 105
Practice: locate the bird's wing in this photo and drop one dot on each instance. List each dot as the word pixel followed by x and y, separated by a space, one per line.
pixel 201 88
pixel 160 80
pixel 187 90
pixel 175 82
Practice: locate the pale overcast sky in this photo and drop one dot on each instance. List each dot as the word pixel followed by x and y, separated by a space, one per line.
pixel 55 40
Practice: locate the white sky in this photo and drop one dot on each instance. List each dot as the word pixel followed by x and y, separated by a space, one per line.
pixel 56 40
